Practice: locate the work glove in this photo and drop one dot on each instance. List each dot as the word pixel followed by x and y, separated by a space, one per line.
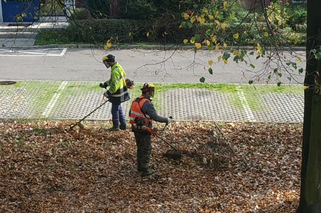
pixel 103 85
pixel 169 119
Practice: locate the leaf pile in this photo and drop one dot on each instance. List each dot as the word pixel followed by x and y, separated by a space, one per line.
pixel 45 167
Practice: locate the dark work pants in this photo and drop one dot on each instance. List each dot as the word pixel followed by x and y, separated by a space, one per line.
pixel 144 148
pixel 117 115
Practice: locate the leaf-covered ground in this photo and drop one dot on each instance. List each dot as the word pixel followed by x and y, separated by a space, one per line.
pixel 239 167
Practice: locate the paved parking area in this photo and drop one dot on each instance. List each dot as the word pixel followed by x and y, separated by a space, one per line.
pixel 73 100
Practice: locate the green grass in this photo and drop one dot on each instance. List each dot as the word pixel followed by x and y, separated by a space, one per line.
pixel 254 94
pixel 231 88
pixel 74 87
pixel 212 87
pixel 282 89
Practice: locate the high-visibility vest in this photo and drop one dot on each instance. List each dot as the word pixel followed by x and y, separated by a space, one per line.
pixel 136 112
pixel 117 78
pixel 117 85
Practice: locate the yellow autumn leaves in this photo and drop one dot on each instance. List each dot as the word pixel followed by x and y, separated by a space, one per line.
pixel 219 58
pixel 20 18
pixel 236 36
pixel 210 17
pixel 207 43
pixel 108 44
pixel 258 49
pixel 202 18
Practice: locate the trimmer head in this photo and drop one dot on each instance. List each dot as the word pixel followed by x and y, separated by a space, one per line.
pixel 173 154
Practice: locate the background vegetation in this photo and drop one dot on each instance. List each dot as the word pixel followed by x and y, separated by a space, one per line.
pixel 164 22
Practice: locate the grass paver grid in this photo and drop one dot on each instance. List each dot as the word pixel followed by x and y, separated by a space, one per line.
pixel 25 99
pixel 282 108
pixel 77 99
pixel 200 104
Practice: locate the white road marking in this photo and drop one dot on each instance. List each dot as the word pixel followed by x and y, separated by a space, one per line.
pixel 246 106
pixel 63 52
pixel 54 99
pixel 52 52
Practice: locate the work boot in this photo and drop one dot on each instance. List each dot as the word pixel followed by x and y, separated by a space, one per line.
pixel 123 126
pixel 146 172
pixel 139 169
pixel 115 126
pixel 113 129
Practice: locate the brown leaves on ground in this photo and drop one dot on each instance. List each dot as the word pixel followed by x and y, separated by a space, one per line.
pixel 233 167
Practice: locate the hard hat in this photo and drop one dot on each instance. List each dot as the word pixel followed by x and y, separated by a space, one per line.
pixel 109 58
pixel 147 87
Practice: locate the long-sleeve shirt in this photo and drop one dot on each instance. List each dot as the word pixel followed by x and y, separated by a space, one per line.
pixel 149 109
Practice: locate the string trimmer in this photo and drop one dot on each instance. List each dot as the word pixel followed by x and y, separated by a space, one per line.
pixel 173 154
pixel 167 143
pixel 78 123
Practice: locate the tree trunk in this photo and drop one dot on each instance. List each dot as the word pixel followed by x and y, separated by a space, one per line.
pixel 114 9
pixel 310 197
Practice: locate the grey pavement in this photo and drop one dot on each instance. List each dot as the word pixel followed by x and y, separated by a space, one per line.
pixel 23 35
pixel 143 65
pixel 50 82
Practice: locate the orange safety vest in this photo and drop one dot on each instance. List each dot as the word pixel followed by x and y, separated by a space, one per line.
pixel 136 112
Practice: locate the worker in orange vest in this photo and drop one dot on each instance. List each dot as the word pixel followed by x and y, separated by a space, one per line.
pixel 142 113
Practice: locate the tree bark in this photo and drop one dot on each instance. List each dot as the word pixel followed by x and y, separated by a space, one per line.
pixel 310 196
pixel 114 9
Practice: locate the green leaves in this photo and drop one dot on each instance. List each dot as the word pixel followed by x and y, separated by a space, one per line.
pixel 226 56
pixel 317 53
pixel 293 64
pixel 234 39
pixel 186 24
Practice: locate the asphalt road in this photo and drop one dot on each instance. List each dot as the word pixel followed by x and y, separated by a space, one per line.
pixel 142 65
